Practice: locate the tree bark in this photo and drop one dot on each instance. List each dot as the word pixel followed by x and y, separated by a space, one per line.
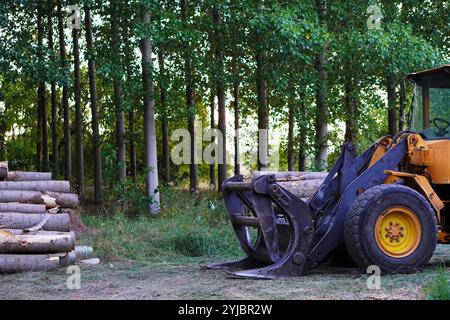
pixel 402 120
pixel 64 200
pixel 131 118
pixel 164 119
pixel 219 55
pixel 41 94
pixel 193 169
pixel 53 103
pixel 350 108
pixel 150 150
pixel 237 151
pixel 3 128
pixel 302 188
pixel 291 138
pixel 263 111
pixel 321 122
pixel 302 140
pixel 56 222
pixel 78 113
pixel 96 147
pixel 212 120
pixel 36 243
pixel 25 232
pixel 118 91
pixel 43 186
pixel 65 98
pixel 392 105
pixel 22 207
pixel 29 176
pixel 13 263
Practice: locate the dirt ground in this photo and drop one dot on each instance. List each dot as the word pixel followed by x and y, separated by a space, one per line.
pixel 137 280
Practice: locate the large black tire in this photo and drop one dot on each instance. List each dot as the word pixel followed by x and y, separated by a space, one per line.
pixel 360 228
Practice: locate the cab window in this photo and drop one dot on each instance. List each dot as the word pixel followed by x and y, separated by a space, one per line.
pixel 439 123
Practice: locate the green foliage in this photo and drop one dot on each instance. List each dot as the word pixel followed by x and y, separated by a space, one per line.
pixel 128 195
pixel 413 36
pixel 186 226
pixel 439 288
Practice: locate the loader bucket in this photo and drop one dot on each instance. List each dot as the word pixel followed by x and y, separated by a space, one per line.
pixel 275 205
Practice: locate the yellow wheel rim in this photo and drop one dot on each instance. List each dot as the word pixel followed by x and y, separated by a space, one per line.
pixel 398 232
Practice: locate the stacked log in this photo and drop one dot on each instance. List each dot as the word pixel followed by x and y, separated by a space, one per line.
pixel 35 230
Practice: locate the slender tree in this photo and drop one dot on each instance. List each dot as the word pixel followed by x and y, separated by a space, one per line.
pixel 261 91
pixel 53 97
pixel 290 156
pixel 188 72
pixel 65 97
pixel 118 92
pixel 128 55
pixel 96 148
pixel 321 121
pixel 392 104
pixel 78 112
pixel 164 118
pixel 237 151
pixel 41 94
pixel 212 121
pixel 402 120
pixel 150 150
pixel 220 88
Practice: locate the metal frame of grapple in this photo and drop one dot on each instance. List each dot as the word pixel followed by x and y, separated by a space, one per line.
pixel 295 236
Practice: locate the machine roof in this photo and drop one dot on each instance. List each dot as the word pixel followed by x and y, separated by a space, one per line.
pixel 436 78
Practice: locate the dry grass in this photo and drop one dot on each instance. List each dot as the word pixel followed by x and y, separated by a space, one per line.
pixel 159 258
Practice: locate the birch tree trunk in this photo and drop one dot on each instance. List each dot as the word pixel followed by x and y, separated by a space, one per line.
pixel 263 111
pixel 150 150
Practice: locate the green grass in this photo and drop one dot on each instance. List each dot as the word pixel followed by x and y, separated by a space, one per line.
pixel 187 227
pixel 439 288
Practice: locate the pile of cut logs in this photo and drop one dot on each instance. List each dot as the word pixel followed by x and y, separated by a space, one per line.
pixel 35 227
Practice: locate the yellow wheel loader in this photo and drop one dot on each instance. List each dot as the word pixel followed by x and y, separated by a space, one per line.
pixel 387 207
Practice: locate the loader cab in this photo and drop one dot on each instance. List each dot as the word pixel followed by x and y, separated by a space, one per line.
pixel 431 108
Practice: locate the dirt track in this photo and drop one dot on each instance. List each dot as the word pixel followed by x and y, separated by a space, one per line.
pixel 136 280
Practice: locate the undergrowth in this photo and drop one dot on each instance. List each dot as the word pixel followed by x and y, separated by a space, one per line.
pixel 439 288
pixel 188 226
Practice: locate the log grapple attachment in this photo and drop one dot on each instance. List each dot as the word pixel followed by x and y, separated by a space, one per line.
pixel 297 218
